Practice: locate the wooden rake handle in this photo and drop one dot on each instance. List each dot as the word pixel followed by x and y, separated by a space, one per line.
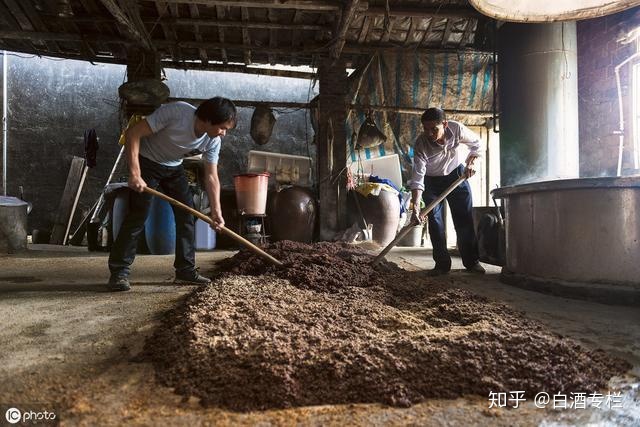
pixel 253 248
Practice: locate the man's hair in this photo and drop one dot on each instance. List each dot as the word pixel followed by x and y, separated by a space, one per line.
pixel 217 110
pixel 433 114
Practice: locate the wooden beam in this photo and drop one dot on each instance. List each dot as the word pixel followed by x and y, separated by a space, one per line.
pixel 348 106
pixel 220 15
pixel 244 103
pixel 294 36
pixel 273 36
pixel 195 13
pixel 36 35
pixel 130 28
pixel 92 9
pixel 364 31
pixel 246 40
pixel 423 12
pixel 14 25
pixel 387 30
pixel 163 9
pixel 348 13
pixel 238 69
pixel 468 31
pixel 315 48
pixel 412 26
pixel 318 6
pixel 447 32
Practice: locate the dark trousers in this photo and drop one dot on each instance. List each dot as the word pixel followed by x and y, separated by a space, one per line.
pixel 460 204
pixel 173 182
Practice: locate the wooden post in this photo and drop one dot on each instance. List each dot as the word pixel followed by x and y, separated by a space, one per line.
pixel 332 148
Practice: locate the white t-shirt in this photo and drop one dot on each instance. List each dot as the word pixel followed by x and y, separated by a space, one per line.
pixel 174 138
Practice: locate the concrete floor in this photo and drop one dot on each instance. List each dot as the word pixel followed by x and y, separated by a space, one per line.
pixel 70 347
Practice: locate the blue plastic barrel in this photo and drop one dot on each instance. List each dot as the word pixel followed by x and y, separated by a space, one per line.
pixel 160 228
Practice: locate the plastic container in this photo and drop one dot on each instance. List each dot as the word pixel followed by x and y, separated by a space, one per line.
pixel 413 238
pixel 205 236
pixel 288 169
pixel 383 167
pixel 13 225
pixel 160 228
pixel 251 193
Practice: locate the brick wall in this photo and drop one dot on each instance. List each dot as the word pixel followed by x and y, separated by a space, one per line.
pixel 598 54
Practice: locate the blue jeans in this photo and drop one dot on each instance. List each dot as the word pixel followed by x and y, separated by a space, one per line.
pixel 461 205
pixel 173 182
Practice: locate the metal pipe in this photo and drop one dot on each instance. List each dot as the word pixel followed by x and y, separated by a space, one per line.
pixel 494 65
pixel 4 121
pixel 621 110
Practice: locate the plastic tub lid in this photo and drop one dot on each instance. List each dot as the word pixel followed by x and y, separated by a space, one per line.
pixel 11 201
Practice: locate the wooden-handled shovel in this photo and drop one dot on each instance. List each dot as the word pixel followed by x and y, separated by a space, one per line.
pixel 253 248
pixel 423 214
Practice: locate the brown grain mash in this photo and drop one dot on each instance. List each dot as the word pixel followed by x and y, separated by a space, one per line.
pixel 329 329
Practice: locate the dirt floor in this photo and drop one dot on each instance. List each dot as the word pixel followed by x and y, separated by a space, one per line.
pixel 72 348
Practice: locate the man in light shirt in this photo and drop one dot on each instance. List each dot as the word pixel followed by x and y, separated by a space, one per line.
pixel 155 148
pixel 436 165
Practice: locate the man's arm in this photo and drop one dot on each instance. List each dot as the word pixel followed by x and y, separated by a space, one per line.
pixel 212 186
pixel 416 183
pixel 132 148
pixel 471 140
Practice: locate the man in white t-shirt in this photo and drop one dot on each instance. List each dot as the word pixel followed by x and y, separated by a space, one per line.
pixel 155 148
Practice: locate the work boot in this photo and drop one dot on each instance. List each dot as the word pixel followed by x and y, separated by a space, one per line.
pixel 437 271
pixel 476 269
pixel 118 283
pixel 191 278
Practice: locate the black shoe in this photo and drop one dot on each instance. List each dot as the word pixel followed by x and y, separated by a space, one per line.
pixel 118 284
pixel 192 278
pixel 476 269
pixel 437 272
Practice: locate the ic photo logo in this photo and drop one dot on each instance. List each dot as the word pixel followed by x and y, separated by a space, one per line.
pixel 13 415
pixel 35 414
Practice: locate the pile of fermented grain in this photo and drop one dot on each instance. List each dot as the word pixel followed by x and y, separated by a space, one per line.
pixel 329 329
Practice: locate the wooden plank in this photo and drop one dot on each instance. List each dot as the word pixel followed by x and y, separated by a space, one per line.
pixel 468 31
pixel 130 28
pixel 246 40
pixel 273 36
pixel 163 10
pixel 387 30
pixel 309 48
pixel 364 31
pixel 209 22
pixel 423 12
pixel 294 36
pixel 223 52
pixel 318 6
pixel 116 49
pixel 195 13
pixel 412 26
pixel 447 32
pixel 75 203
pixel 237 69
pixel 68 195
pixel 348 14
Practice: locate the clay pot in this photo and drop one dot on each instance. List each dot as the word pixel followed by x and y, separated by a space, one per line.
pixel 292 215
pixel 383 211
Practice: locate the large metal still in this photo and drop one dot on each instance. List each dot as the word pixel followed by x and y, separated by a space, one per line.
pixel 577 230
